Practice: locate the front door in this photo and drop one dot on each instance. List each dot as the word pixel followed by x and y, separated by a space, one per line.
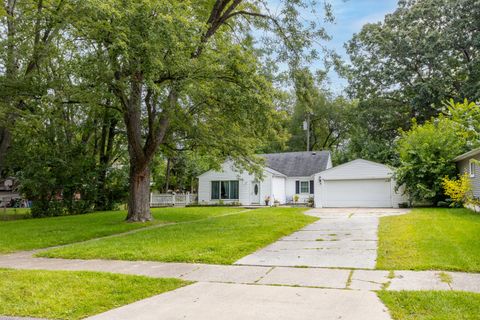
pixel 255 192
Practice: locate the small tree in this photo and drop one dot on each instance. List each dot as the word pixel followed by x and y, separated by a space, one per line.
pixel 459 190
pixel 426 153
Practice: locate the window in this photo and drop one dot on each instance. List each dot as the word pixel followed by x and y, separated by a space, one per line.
pixel 225 190
pixel 471 169
pixel 304 187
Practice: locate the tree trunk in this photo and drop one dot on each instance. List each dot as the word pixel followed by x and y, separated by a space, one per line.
pixel 139 197
pixel 5 140
pixel 167 176
pixel 105 155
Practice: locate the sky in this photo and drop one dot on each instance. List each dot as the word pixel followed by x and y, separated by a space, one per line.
pixel 350 16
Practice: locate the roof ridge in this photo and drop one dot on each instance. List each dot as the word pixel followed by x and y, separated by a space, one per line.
pixel 290 152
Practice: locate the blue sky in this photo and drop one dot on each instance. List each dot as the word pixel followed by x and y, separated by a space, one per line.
pixel 350 16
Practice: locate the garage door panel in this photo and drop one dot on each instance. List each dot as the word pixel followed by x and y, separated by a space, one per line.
pixel 357 193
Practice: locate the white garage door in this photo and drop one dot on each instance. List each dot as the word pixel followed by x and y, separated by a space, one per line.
pixel 357 193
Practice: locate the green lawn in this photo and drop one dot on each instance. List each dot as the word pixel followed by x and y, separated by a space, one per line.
pixel 432 305
pixel 73 295
pixel 41 233
pixel 14 213
pixel 220 240
pixel 433 238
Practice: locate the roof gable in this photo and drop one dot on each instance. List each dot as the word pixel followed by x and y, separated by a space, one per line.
pixel 357 169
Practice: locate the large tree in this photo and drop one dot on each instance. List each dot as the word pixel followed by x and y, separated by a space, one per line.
pixel 181 75
pixel 405 67
pixel 425 52
pixel 373 128
pixel 30 31
pixel 187 74
pixel 327 116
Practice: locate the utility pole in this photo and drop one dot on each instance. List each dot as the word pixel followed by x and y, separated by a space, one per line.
pixel 306 127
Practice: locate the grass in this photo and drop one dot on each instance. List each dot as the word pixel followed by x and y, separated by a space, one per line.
pixel 445 277
pixel 432 305
pixel 430 239
pixel 14 213
pixel 220 240
pixel 46 232
pixel 73 295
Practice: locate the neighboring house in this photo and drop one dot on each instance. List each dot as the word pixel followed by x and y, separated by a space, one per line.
pixel 468 163
pixel 359 183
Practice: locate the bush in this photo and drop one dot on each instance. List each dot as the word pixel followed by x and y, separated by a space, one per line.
pixel 426 153
pixel 403 205
pixel 311 202
pixel 47 208
pixel 443 204
pixel 459 190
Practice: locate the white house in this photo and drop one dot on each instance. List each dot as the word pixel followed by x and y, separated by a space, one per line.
pixel 358 183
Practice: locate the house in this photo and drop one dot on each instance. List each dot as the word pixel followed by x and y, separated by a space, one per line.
pixel 309 175
pixel 469 163
pixel 285 175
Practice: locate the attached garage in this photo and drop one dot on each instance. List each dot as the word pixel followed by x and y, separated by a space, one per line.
pixel 359 183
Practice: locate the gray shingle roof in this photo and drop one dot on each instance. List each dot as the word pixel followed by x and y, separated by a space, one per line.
pixel 297 164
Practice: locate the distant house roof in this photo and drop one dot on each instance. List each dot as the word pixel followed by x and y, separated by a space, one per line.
pixel 297 164
pixel 467 155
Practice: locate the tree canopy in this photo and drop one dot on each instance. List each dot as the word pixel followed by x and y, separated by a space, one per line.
pixel 181 75
pixel 424 53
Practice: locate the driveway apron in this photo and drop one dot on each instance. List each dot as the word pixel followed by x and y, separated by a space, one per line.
pixel 342 238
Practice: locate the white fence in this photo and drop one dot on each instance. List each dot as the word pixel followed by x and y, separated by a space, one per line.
pixel 167 199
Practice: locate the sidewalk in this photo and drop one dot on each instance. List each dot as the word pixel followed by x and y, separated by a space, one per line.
pixel 363 280
pixel 215 301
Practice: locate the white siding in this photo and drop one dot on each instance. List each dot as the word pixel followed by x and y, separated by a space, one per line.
pixel 278 189
pixel 290 189
pixel 357 169
pixel 229 172
pixel 398 196
pixel 265 188
pixel 318 191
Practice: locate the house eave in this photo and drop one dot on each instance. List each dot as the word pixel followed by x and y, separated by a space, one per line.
pixel 467 155
pixel 275 172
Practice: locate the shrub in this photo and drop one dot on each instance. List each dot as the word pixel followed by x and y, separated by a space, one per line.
pixel 459 190
pixel 426 153
pixel 311 202
pixel 296 198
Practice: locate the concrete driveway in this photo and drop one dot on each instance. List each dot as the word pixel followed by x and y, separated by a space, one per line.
pixel 342 238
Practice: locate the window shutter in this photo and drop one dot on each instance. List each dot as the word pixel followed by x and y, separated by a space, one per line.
pixel 215 190
pixel 311 187
pixel 297 187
